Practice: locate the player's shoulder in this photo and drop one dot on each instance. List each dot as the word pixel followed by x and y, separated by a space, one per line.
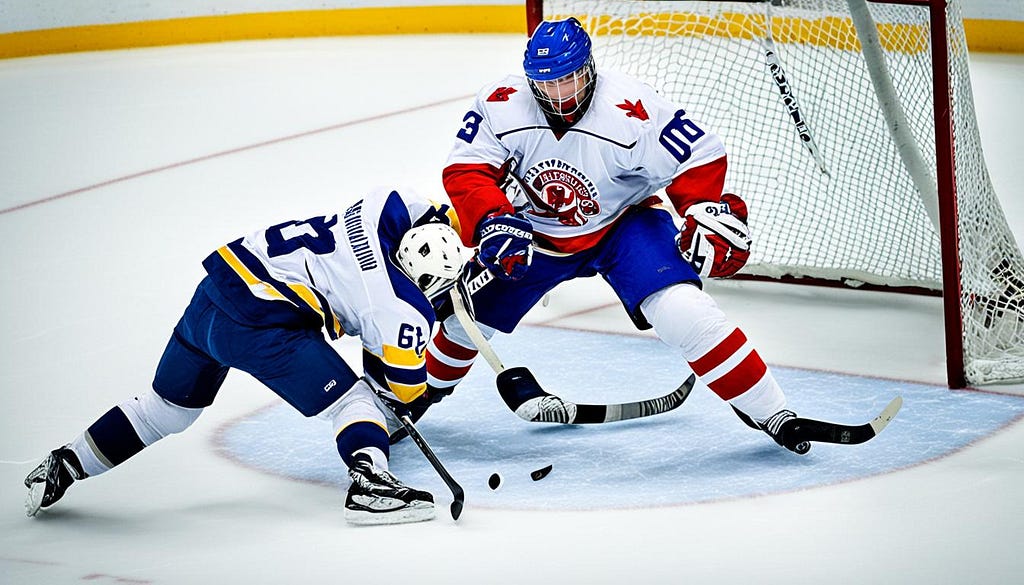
pixel 623 92
pixel 624 108
pixel 401 204
pixel 382 195
pixel 501 91
pixel 508 102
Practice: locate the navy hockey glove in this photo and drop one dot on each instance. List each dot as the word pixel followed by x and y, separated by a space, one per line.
pixel 506 245
pixel 714 238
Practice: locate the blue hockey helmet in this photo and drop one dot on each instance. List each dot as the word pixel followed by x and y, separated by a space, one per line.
pixel 559 66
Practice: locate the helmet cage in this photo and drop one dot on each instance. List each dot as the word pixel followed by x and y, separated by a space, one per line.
pixel 431 256
pixel 566 99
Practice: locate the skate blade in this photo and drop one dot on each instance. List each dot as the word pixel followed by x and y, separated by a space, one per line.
pixel 416 512
pixel 34 499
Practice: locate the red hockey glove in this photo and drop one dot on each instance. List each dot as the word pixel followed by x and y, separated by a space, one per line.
pixel 714 238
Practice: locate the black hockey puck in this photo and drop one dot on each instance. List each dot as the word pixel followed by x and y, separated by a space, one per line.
pixel 540 473
pixel 494 482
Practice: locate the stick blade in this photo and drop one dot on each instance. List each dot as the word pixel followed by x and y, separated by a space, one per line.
pixel 456 507
pixel 604 413
pixel 806 429
pixel 886 416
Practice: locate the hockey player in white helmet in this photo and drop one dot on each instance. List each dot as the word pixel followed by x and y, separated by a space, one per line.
pixel 371 271
pixel 560 174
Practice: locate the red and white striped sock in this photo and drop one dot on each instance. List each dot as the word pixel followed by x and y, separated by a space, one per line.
pixel 719 353
pixel 735 372
pixel 448 360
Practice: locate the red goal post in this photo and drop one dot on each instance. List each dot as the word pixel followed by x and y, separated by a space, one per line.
pixel 851 131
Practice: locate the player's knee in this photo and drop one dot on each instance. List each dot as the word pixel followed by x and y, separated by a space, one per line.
pixel 358 403
pixel 683 316
pixel 153 417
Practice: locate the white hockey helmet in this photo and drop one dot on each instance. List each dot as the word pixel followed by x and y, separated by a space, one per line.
pixel 431 255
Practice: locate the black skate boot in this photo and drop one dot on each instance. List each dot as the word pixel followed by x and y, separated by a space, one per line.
pixel 776 426
pixel 377 497
pixel 48 482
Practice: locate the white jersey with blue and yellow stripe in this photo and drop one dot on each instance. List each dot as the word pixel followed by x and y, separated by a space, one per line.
pixel 336 272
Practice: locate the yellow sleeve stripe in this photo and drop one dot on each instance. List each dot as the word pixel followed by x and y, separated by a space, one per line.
pixel 453 219
pixel 406 392
pixel 314 303
pixel 402 358
pixel 248 277
pixel 449 212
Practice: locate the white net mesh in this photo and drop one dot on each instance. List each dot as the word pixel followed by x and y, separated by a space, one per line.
pixel 786 85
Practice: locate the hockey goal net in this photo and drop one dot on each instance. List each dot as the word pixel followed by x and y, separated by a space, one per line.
pixel 851 169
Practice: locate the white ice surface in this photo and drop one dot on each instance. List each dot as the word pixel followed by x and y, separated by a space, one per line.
pixel 190 147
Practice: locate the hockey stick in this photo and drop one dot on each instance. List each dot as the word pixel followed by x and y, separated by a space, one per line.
pixel 458 494
pixel 801 430
pixel 398 411
pixel 524 395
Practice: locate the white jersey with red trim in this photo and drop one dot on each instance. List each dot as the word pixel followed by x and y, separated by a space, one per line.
pixel 630 144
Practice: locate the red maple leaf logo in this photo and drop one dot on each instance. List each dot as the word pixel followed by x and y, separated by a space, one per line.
pixel 501 94
pixel 634 110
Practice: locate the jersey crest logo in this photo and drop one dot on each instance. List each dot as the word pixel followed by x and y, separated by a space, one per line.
pixel 501 94
pixel 634 110
pixel 558 190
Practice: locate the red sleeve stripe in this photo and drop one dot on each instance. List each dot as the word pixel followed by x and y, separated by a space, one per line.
pixel 442 375
pixel 719 354
pixel 456 351
pixel 741 378
pixel 703 183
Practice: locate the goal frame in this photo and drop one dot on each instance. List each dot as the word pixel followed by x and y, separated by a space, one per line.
pixel 945 182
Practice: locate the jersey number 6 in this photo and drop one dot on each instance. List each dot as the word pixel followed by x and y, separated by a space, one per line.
pixel 314 234
pixel 678 135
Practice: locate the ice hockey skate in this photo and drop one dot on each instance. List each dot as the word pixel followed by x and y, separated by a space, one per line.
pixel 776 427
pixel 48 482
pixel 377 497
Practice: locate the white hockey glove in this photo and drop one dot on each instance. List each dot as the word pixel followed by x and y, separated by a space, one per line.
pixel 714 237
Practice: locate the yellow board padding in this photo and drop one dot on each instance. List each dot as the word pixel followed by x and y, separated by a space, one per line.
pixel 267 25
pixel 995 36
pixel 827 31
pixel 982 35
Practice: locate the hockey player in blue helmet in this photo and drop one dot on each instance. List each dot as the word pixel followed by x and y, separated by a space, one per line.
pixel 557 174
pixel 559 67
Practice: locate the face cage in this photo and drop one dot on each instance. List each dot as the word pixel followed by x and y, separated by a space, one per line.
pixel 434 286
pixel 567 97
